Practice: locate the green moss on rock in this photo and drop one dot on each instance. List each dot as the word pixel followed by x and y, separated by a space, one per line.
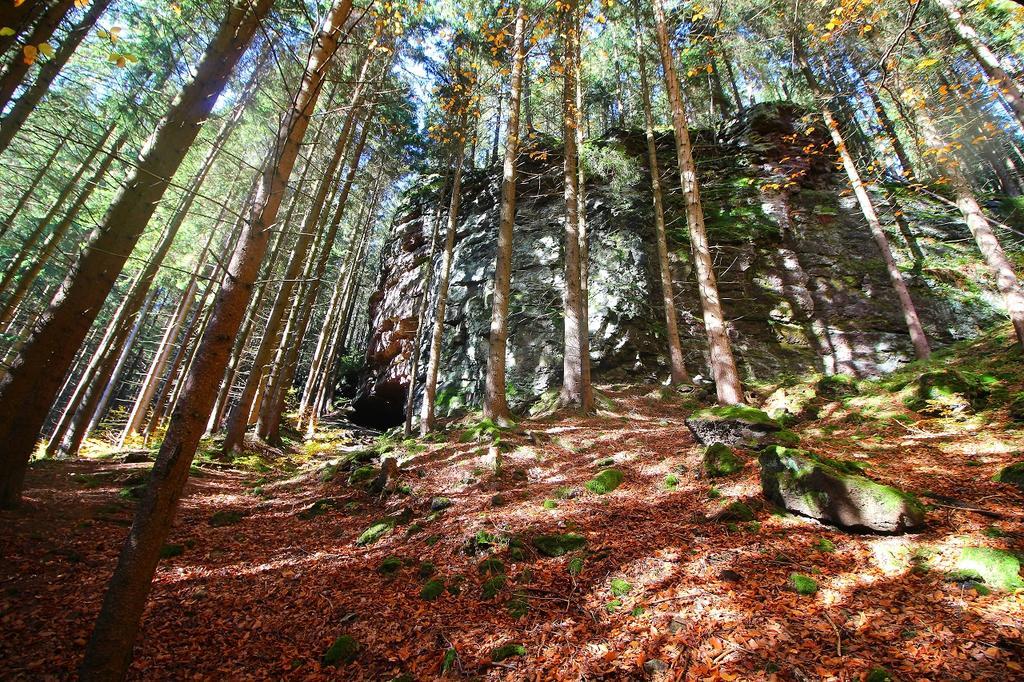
pixel 879 675
pixel 432 590
pixel 390 565
pixel 605 482
pixel 491 566
pixel 318 508
pixel 507 651
pixel 375 532
pixel 620 587
pixel 743 413
pixel 737 511
pixel 362 474
pixel 225 517
pixel 998 568
pixel 556 545
pixel 1013 474
pixel 345 649
pixel 492 586
pixel 720 460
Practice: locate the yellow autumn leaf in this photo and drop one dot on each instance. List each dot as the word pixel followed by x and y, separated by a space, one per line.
pixel 81 4
pixel 925 63
pixel 6 31
pixel 45 49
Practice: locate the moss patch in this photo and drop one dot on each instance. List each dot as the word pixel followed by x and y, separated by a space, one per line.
pixel 1013 474
pixel 620 587
pixel 556 545
pixel 492 586
pixel 743 413
pixel 343 650
pixel 998 568
pixel 225 517
pixel 432 590
pixel 375 532
pixel 507 651
pixel 605 482
pixel 802 584
pixel 720 460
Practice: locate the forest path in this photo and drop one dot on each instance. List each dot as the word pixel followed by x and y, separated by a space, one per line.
pixel 264 572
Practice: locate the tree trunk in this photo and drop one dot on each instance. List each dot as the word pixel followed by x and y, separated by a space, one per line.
pixel 581 212
pixel 576 392
pixel 18 18
pixel 29 389
pixel 238 417
pixel 109 651
pixel 427 416
pixel 917 335
pixel 495 402
pixel 723 366
pixel 18 66
pixel 677 366
pixel 988 243
pixel 1006 86
pixel 16 117
pixel 421 307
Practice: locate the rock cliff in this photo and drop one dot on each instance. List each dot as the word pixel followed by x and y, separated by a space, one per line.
pixel 802 282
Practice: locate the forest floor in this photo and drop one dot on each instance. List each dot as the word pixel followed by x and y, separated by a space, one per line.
pixel 263 571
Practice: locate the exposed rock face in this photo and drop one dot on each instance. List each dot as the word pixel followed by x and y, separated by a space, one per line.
pixel 731 425
pixel 801 281
pixel 833 491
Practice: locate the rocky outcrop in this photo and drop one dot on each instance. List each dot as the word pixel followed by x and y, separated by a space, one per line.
pixel 835 492
pixel 731 425
pixel 801 281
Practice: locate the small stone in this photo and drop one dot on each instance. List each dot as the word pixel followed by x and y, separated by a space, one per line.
pixel 730 576
pixel 343 650
pixel 655 665
pixel 439 504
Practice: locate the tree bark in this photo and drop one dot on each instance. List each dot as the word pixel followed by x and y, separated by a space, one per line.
pixel 677 365
pixel 29 389
pixel 495 402
pixel 16 117
pixel 239 416
pixel 281 381
pixel 109 651
pixel 427 417
pixel 723 366
pixel 576 392
pixel 421 311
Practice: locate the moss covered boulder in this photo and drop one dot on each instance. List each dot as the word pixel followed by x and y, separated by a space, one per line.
pixel 605 482
pixel 556 545
pixel 343 650
pixel 950 391
pixel 999 569
pixel 731 425
pixel 720 460
pixel 835 492
pixel 1013 474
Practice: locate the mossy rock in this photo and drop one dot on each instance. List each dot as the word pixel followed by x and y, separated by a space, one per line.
pixel 507 651
pixel 345 649
pixel 1015 408
pixel 998 568
pixel 720 460
pixel 1013 474
pixel 375 532
pixel 949 391
pixel 802 584
pixel 426 569
pixel 170 551
pixel 549 504
pixel 491 566
pixel 737 511
pixel 362 475
pixel 785 437
pixel 836 385
pixel 556 545
pixel 731 425
pixel 879 675
pixel 132 492
pixel 390 565
pixel 605 482
pixel 225 517
pixel 834 491
pixel 318 508
pixel 492 586
pixel 432 590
